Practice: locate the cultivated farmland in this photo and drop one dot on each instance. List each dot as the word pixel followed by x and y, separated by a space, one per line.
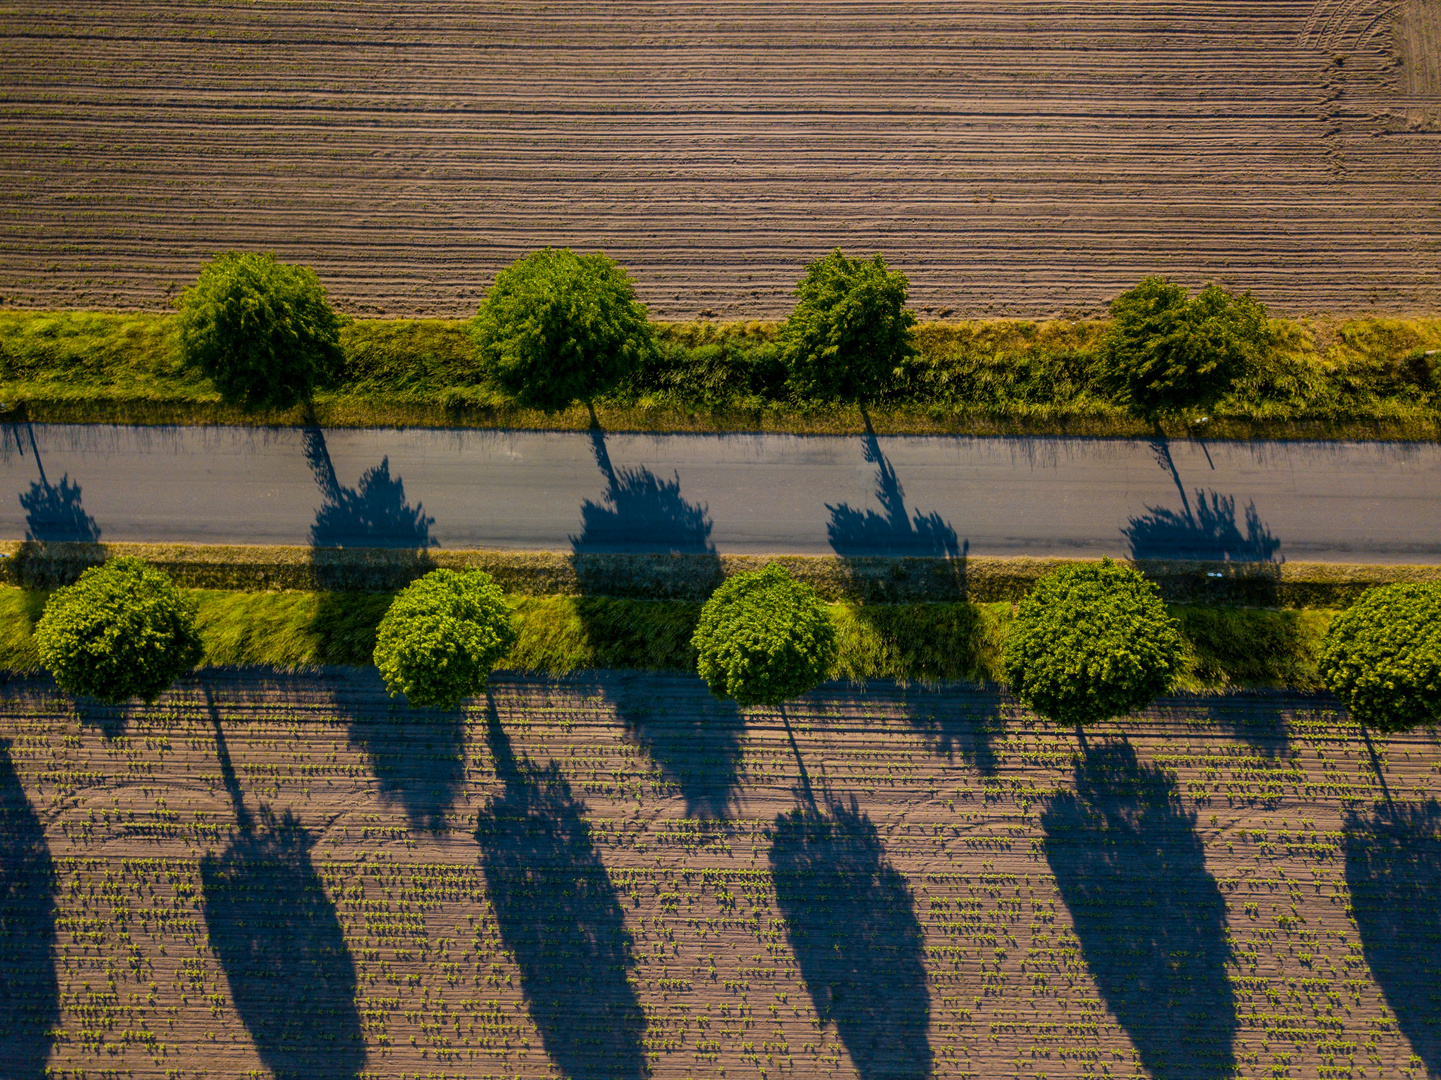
pixel 1010 157
pixel 617 875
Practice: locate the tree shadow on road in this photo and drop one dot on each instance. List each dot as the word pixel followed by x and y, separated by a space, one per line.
pixel 1150 917
pixel 280 943
pixel 893 531
pixel 29 990
pixel 559 915
pixel 853 927
pixel 1393 870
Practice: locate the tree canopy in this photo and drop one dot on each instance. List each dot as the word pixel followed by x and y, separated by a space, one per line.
pixel 1382 657
pixel 764 638
pixel 123 630
pixel 1092 641
pixel 557 327
pixel 260 329
pixel 441 636
pixel 1165 353
pixel 850 329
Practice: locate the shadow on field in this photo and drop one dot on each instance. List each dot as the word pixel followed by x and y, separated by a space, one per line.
pixel 279 941
pixel 417 755
pixel 964 723
pixel 29 991
pixel 558 913
pixel 1150 918
pixel 695 737
pixel 1393 869
pixel 853 927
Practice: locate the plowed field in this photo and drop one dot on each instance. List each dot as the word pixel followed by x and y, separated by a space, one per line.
pixel 1011 157
pixel 608 877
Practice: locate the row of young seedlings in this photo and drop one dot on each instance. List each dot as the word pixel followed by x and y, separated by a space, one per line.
pixel 1091 642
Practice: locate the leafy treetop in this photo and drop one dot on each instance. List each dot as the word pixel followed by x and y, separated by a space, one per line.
pixel 1092 641
pixel 260 329
pixel 1165 353
pixel 123 630
pixel 850 330
pixel 764 638
pixel 1382 657
pixel 557 327
pixel 441 636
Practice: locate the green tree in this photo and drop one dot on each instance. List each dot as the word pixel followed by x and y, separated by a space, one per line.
pixel 441 637
pixel 764 638
pixel 260 329
pixel 850 330
pixel 1092 641
pixel 1382 657
pixel 557 327
pixel 1165 353
pixel 123 630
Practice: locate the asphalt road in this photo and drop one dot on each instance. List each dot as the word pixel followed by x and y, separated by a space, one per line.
pixel 1369 502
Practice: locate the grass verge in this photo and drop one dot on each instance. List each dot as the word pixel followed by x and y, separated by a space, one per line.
pixel 1228 647
pixel 1362 378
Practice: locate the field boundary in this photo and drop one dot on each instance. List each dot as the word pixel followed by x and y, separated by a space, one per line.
pixel 691 577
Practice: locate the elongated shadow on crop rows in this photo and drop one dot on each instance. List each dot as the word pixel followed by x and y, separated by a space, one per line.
pixel 29 990
pixel 1393 870
pixel 853 928
pixel 558 913
pixel 1150 917
pixel 958 722
pixel 696 738
pixel 280 944
pixel 417 755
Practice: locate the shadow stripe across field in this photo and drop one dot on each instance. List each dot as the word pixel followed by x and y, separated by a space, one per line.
pixel 857 495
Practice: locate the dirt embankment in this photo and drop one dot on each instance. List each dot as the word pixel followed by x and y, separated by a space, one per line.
pixel 598 877
pixel 1009 159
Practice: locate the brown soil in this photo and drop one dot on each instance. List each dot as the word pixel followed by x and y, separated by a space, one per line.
pixel 1009 158
pixel 603 876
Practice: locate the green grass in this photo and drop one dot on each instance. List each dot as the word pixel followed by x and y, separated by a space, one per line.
pixel 1363 377
pixel 1228 647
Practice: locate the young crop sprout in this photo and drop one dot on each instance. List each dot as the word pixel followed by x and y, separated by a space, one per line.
pixel 764 638
pixel 123 630
pixel 441 637
pixel 1092 642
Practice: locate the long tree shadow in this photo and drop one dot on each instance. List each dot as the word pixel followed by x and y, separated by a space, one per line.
pixel 696 739
pixel 53 512
pixel 642 513
pixel 29 990
pixel 1208 531
pixel 1393 870
pixel 958 722
pixel 558 913
pixel 1150 918
pixel 417 755
pixel 280 943
pixel 853 927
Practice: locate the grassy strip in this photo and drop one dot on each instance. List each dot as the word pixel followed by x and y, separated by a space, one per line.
pixel 871 580
pixel 1228 647
pixel 1359 378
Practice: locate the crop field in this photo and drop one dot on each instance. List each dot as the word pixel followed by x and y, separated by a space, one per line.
pixel 1011 157
pixel 614 876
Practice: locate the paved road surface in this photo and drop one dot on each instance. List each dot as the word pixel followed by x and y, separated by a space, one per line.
pixel 734 493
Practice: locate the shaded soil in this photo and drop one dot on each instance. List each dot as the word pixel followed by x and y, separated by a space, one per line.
pixel 1009 159
pixel 247 876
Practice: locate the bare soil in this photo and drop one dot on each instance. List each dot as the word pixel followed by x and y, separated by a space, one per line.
pixel 613 876
pixel 1011 158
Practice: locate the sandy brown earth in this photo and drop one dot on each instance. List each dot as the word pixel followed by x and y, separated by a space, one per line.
pixel 618 876
pixel 1018 157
